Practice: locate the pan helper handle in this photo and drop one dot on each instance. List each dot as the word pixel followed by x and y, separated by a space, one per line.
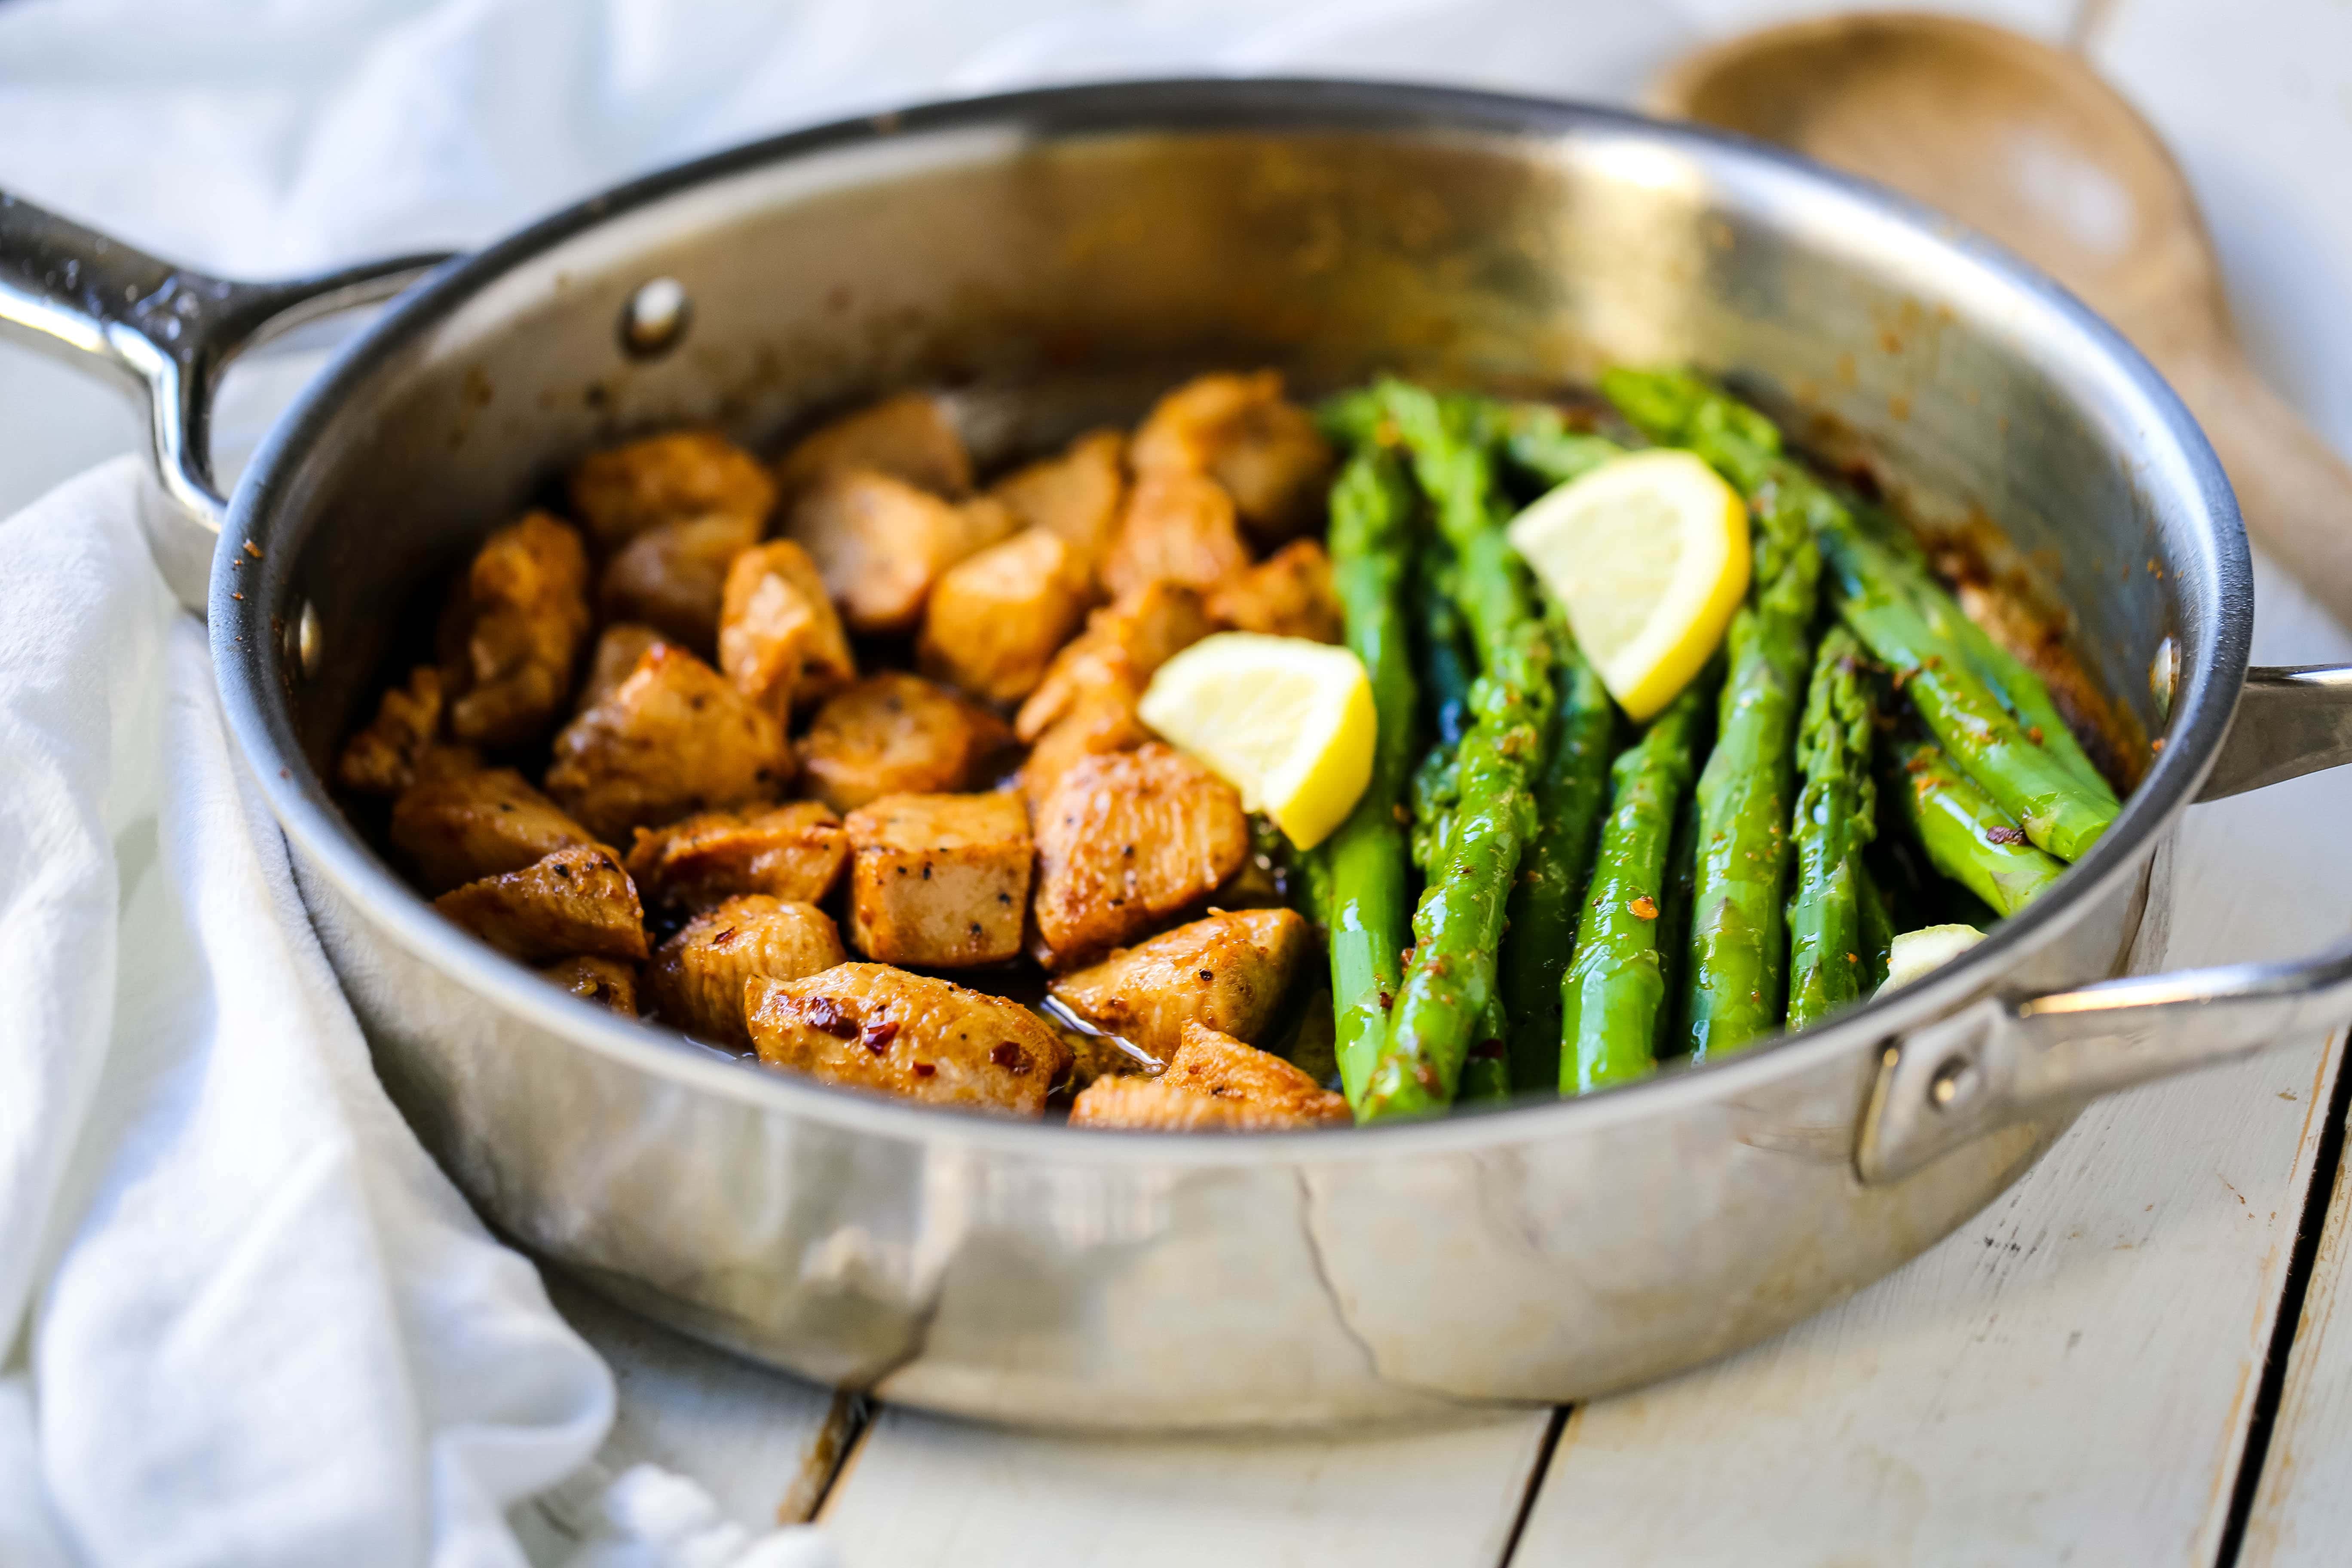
pixel 165 333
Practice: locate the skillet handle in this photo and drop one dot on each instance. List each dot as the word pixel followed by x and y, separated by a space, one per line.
pixel 2010 1057
pixel 164 333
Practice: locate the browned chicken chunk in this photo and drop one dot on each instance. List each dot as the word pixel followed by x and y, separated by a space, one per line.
pixel 1104 718
pixel 1077 495
pixel 1124 644
pixel 1127 839
pixel 875 1028
pixel 909 437
pixel 623 492
pixel 697 980
pixel 996 618
pixel 382 758
pixel 606 982
pixel 673 577
pixel 1263 450
pixel 674 738
pixel 940 881
pixel 780 638
pixel 522 612
pixel 618 649
pixel 895 733
pixel 573 902
pixel 1177 528
pixel 1242 1089
pixel 881 544
pixel 1228 972
pixel 793 852
pixel 1287 595
pixel 469 825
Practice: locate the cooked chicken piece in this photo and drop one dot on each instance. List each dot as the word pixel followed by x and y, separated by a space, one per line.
pixel 673 576
pixel 1104 718
pixel 1124 644
pixel 469 825
pixel 1076 494
pixel 793 852
pixel 873 1026
pixel 940 881
pixel 1289 595
pixel 523 610
pixel 616 659
pixel 1214 1082
pixel 1127 839
pixel 996 618
pixel 1177 528
pixel 576 901
pixel 895 733
pixel 909 437
pixel 382 758
pixel 1238 430
pixel 1228 972
pixel 673 738
pixel 881 544
pixel 697 980
pixel 780 638
pixel 622 491
pixel 606 982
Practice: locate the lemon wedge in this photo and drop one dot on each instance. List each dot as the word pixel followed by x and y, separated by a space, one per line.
pixel 1916 953
pixel 1286 722
pixel 1649 554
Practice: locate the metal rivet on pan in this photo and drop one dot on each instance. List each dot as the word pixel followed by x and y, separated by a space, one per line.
pixel 304 640
pixel 2163 673
pixel 655 318
pixel 1955 1082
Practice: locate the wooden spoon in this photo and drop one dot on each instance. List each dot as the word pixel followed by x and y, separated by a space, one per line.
pixel 2027 143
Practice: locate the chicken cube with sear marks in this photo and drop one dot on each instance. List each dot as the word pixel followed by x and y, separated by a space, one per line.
pixel 673 738
pixel 793 852
pixel 574 901
pixel 1229 972
pixel 1261 449
pixel 908 437
pixel 1214 1082
pixel 1077 495
pixel 940 881
pixel 518 620
pixel 623 492
pixel 618 648
pixel 673 577
pixel 1125 643
pixel 697 981
pixel 780 638
pixel 468 826
pixel 1105 719
pixel 381 759
pixel 995 619
pixel 895 733
pixel 607 981
pixel 1127 839
pixel 881 544
pixel 1177 528
pixel 868 1025
pixel 1287 595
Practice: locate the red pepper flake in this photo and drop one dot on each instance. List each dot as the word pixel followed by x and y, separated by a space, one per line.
pixel 253 550
pixel 2033 733
pixel 1386 1001
pixel 924 1069
pixel 724 937
pixel 1009 1056
pixel 2004 836
pixel 1645 908
pixel 2156 744
pixel 876 1036
pixel 825 1014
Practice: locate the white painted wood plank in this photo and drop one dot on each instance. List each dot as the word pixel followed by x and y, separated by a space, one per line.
pixel 2302 1515
pixel 2072 1371
pixel 921 1490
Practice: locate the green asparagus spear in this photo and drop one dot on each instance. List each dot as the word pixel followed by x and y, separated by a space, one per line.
pixel 1486 1070
pixel 1446 662
pixel 1967 836
pixel 1836 815
pixel 1458 927
pixel 1538 441
pixel 1614 987
pixel 1570 795
pixel 1740 951
pixel 1877 929
pixel 2059 812
pixel 1368 877
pixel 1681 892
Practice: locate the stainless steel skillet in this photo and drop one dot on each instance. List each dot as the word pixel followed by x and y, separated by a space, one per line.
pixel 1058 256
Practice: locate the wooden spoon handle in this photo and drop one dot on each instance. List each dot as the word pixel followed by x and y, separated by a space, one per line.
pixel 2295 490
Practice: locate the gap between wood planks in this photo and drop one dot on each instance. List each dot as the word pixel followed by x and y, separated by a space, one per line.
pixel 2289 1316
